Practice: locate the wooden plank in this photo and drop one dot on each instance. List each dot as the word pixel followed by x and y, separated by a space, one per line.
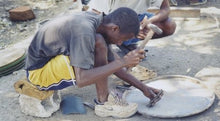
pixel 182 12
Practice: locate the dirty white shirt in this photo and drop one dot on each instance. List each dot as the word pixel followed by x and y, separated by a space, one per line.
pixel 139 6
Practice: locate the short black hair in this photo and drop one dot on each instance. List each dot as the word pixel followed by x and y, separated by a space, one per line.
pixel 125 18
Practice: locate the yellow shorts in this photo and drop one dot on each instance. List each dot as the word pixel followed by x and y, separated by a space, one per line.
pixel 55 75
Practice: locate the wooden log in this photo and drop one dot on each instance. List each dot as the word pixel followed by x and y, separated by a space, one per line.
pixel 21 13
pixel 182 12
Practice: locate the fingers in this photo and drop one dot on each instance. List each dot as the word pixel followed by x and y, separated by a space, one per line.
pixel 144 23
pixel 141 36
pixel 142 33
pixel 141 53
pixel 137 55
pixel 134 57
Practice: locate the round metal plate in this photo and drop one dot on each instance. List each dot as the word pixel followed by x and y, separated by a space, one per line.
pixel 183 96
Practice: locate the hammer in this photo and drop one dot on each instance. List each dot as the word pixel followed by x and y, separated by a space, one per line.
pixel 153 29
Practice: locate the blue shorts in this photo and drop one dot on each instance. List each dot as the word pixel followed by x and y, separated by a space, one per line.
pixel 135 40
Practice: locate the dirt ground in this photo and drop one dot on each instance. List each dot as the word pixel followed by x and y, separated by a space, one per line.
pixel 193 47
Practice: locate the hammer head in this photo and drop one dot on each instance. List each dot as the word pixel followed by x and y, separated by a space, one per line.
pixel 155 28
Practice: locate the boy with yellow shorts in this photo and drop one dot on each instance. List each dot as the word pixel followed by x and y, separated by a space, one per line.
pixel 75 49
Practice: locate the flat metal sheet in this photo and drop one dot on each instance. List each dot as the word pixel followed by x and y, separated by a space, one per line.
pixel 183 96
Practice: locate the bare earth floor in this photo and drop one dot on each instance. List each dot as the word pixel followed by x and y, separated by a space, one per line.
pixel 193 47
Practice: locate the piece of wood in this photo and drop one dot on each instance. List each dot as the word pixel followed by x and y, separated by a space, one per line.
pixel 146 40
pixel 182 12
pixel 21 13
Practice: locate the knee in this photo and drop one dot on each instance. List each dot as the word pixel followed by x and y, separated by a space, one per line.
pixel 170 27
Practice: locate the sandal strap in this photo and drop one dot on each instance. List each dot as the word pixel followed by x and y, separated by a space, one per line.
pixel 97 102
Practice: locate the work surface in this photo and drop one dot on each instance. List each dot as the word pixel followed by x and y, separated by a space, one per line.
pixel 182 96
pixel 193 47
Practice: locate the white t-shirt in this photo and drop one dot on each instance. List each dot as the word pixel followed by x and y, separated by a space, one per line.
pixel 139 6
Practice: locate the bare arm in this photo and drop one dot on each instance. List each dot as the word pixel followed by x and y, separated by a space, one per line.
pixel 127 77
pixel 88 77
pixel 158 19
pixel 162 14
pixel 124 75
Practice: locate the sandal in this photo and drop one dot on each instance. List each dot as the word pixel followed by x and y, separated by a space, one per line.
pixel 155 99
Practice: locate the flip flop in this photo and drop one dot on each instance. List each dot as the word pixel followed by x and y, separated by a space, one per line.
pixel 155 99
pixel 90 105
pixel 122 88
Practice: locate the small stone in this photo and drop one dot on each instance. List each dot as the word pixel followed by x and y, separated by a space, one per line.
pixel 40 108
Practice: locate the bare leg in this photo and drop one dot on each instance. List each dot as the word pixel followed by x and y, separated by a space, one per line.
pixel 168 26
pixel 100 60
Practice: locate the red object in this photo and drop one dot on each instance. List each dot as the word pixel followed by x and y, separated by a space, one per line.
pixel 21 13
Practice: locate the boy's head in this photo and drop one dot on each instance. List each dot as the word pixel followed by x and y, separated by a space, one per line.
pixel 125 25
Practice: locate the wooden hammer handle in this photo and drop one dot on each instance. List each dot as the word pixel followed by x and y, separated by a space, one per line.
pixel 146 39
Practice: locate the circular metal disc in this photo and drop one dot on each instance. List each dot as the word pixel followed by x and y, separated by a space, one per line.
pixel 183 96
